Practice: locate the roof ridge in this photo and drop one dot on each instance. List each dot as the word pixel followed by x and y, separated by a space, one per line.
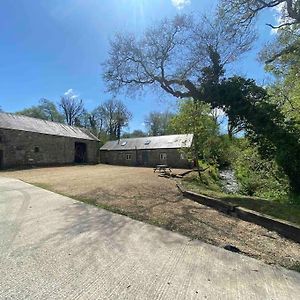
pixel 151 136
pixel 30 124
pixel 27 117
pixel 163 142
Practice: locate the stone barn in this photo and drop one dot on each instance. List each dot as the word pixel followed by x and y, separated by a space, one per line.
pixel 26 141
pixel 148 151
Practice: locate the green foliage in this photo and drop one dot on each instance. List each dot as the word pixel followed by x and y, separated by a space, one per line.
pixel 284 210
pixel 157 123
pixel 195 117
pixel 296 267
pixel 209 179
pixel 103 137
pixel 257 176
pixel 248 105
pixel 45 110
pixel 266 126
pixel 33 112
pixel 277 209
pixel 110 118
pixel 134 134
pixel 285 66
pixel 223 149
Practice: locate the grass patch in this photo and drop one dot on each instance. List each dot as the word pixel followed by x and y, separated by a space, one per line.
pixel 284 211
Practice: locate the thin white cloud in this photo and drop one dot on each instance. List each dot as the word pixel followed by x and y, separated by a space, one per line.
pixel 180 4
pixel 70 93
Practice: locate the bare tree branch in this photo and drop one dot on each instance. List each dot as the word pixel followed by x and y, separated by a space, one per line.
pixel 245 11
pixel 72 108
pixel 172 54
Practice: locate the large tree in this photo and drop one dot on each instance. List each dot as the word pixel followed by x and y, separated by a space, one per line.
pixel 187 59
pixel 195 117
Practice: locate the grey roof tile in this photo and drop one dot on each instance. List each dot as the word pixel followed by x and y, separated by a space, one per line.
pixel 19 122
pixel 151 142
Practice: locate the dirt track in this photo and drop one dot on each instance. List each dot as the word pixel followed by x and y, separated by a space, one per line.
pixel 141 194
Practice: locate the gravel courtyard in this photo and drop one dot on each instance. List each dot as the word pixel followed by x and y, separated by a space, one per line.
pixel 141 194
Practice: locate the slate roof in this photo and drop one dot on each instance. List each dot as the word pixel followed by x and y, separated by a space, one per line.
pixel 19 122
pixel 151 142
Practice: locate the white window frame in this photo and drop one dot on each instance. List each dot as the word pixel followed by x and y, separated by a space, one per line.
pixel 128 156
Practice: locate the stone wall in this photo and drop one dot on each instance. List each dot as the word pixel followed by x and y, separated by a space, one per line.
pixel 21 148
pixel 148 158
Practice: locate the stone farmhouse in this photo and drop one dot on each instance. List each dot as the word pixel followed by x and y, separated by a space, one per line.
pixel 148 151
pixel 26 141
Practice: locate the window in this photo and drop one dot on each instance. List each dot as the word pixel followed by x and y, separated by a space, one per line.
pixel 163 156
pixel 147 142
pixel 124 143
pixel 36 149
pixel 128 156
pixel 182 156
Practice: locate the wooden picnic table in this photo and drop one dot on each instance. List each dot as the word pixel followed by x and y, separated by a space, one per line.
pixel 161 168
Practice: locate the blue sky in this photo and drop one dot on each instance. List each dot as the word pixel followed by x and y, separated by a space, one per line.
pixel 50 47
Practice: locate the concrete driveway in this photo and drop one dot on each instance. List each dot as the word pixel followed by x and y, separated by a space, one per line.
pixel 53 247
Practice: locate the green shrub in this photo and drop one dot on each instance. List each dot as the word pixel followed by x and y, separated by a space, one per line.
pixel 208 179
pixel 259 177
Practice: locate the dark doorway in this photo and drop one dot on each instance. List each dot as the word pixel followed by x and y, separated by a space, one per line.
pixel 137 159
pixel 1 159
pixel 145 158
pixel 80 153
